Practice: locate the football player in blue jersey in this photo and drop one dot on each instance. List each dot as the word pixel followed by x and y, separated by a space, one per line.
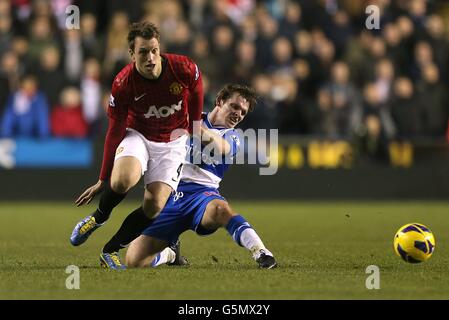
pixel 197 204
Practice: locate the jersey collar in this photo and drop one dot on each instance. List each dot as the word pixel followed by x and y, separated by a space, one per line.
pixel 209 124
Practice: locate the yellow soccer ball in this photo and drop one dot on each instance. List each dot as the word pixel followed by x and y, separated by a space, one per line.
pixel 414 243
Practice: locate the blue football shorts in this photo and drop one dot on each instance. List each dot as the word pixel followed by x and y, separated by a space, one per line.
pixel 184 210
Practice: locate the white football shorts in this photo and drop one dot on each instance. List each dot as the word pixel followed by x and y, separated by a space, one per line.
pixel 160 161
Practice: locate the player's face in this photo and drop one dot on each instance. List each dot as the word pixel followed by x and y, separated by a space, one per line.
pixel 232 111
pixel 147 56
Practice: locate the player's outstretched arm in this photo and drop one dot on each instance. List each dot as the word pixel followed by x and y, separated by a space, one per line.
pixel 90 193
pixel 220 145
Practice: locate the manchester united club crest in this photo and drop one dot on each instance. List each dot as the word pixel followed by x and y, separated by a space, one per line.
pixel 175 88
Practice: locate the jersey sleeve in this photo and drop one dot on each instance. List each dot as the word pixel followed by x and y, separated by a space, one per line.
pixel 117 114
pixel 118 106
pixel 195 103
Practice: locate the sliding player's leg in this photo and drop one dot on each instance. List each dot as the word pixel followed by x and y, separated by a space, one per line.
pixel 167 226
pixel 155 198
pixel 218 214
pixel 147 251
pixel 144 249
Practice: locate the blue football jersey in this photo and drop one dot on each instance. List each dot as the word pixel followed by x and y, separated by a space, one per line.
pixel 202 166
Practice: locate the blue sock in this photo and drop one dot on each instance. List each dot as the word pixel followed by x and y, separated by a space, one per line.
pixel 236 226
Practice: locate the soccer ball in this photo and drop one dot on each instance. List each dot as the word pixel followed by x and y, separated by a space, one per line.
pixel 414 243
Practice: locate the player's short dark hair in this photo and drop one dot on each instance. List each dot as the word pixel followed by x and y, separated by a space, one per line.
pixel 246 92
pixel 144 29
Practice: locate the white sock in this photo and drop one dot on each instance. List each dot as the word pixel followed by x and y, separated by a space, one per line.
pixel 165 256
pixel 251 241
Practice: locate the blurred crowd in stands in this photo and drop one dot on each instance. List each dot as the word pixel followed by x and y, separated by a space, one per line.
pixel 318 69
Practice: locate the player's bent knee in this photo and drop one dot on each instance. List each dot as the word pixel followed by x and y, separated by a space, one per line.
pixel 130 263
pixel 119 187
pixel 133 261
pixel 222 214
pixel 152 208
pixel 123 183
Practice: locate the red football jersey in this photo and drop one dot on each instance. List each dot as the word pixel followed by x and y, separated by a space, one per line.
pixel 153 107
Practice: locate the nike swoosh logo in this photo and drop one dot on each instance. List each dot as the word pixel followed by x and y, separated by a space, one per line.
pixel 139 97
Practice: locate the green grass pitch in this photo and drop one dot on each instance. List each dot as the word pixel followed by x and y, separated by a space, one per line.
pixel 323 250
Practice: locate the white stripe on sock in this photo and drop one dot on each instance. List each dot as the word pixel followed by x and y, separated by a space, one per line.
pixel 165 256
pixel 251 241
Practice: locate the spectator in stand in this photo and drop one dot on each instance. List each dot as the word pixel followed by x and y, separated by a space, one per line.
pixel 396 50
pixel 404 109
pixel 384 78
pixel 201 53
pixel 6 32
pixel 182 39
pixel 248 28
pixel 282 52
pixel 41 37
pixel 26 113
pixel 340 32
pixel 116 51
pixel 301 71
pixel 325 122
pixel 439 42
pixel 91 95
pixel 407 30
pixel 245 65
pixel 209 96
pixel 303 48
pixel 73 55
pixel 377 52
pixel 9 76
pixel 309 113
pixel 50 75
pixel 67 119
pixel 417 10
pixel 346 109
pixel 169 16
pixel 291 22
pixel 325 51
pixel 92 42
pixel 284 93
pixel 195 12
pixel 215 16
pixel 303 45
pixel 356 55
pixel 372 105
pixel 44 9
pixel 265 115
pixel 268 30
pixel 423 55
pixel 433 107
pixel 371 143
pixel 223 52
pixel 20 46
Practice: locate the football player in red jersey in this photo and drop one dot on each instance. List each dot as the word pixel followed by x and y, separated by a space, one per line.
pixel 153 104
